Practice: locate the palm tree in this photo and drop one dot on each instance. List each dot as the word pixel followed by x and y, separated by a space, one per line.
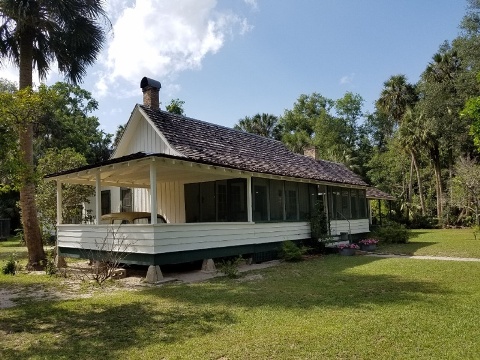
pixel 439 108
pixel 261 124
pixel 397 95
pixel 396 99
pixel 33 34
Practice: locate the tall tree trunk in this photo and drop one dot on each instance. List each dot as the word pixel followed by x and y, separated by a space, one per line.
pixel 410 184
pixel 435 156
pixel 419 182
pixel 31 227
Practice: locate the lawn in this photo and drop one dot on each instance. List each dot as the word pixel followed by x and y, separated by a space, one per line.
pixel 329 307
pixel 438 242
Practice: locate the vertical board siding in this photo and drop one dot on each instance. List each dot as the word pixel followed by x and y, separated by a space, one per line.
pixel 357 226
pixel 170 199
pixel 146 139
pixel 165 238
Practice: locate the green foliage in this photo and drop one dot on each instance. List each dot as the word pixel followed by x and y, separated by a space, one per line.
pixel 392 233
pixel 73 196
pixel 21 238
pixel 49 263
pixel 320 228
pixel 266 125
pixel 10 268
pixel 292 252
pixel 176 107
pixel 230 267
pixel 71 125
pixel 420 221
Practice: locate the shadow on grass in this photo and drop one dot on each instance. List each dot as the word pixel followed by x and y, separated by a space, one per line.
pixel 97 331
pixel 317 283
pixel 409 248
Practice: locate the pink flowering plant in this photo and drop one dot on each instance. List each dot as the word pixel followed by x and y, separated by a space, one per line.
pixel 368 242
pixel 348 246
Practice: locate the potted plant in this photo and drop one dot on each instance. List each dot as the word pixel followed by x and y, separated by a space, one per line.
pixel 368 244
pixel 347 249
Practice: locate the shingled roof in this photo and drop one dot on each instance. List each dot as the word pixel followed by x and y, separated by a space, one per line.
pixel 201 141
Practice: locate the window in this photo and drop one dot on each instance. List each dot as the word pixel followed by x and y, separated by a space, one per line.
pixel 126 203
pixel 291 201
pixel 216 201
pixel 192 201
pixel 276 200
pixel 207 202
pixel 106 202
pixel 354 203
pixel 260 199
pixel 362 204
pixel 303 202
pixel 345 209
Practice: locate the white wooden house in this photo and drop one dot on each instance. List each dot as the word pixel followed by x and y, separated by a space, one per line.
pixel 222 192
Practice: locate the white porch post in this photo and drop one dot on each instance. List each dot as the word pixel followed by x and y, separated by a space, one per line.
pixel 98 199
pixel 153 192
pixel 249 200
pixel 59 202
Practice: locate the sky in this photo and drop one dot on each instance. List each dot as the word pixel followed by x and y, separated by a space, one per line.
pixel 228 59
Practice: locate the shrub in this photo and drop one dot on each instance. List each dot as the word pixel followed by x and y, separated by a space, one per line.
pixel 49 263
pixel 10 268
pixel 392 233
pixel 420 221
pixel 291 252
pixel 230 267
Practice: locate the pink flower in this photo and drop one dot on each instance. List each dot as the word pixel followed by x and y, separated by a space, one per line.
pixel 348 246
pixel 368 242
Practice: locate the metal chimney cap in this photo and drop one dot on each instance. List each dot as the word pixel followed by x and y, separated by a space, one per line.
pixel 150 82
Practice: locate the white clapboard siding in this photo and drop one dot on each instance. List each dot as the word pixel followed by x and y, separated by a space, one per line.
pixel 165 238
pixel 357 226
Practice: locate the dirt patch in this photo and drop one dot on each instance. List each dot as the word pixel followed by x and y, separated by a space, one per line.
pixel 77 285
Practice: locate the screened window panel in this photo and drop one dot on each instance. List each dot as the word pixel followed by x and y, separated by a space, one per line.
pixel 354 203
pixel 126 203
pixel 106 202
pixel 260 199
pixel 207 202
pixel 276 200
pixel 362 204
pixel 291 201
pixel 192 203
pixel 303 202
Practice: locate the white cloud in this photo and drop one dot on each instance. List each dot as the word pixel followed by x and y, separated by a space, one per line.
pixel 161 38
pixel 347 79
pixel 252 3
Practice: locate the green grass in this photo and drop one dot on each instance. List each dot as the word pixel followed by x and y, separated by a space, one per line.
pixel 333 307
pixel 438 242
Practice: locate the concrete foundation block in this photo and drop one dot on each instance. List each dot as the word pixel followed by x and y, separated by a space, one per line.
pixel 208 265
pixel 154 274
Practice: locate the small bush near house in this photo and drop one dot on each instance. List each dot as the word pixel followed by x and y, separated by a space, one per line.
pixel 49 263
pixel 230 267
pixel 392 233
pixel 292 252
pixel 10 268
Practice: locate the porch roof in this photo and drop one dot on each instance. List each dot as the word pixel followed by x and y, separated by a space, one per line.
pixel 376 194
pixel 134 171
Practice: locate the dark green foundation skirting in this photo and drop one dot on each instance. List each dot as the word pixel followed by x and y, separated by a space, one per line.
pixel 259 253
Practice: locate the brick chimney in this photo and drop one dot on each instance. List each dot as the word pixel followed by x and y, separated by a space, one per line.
pixel 151 89
pixel 310 151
